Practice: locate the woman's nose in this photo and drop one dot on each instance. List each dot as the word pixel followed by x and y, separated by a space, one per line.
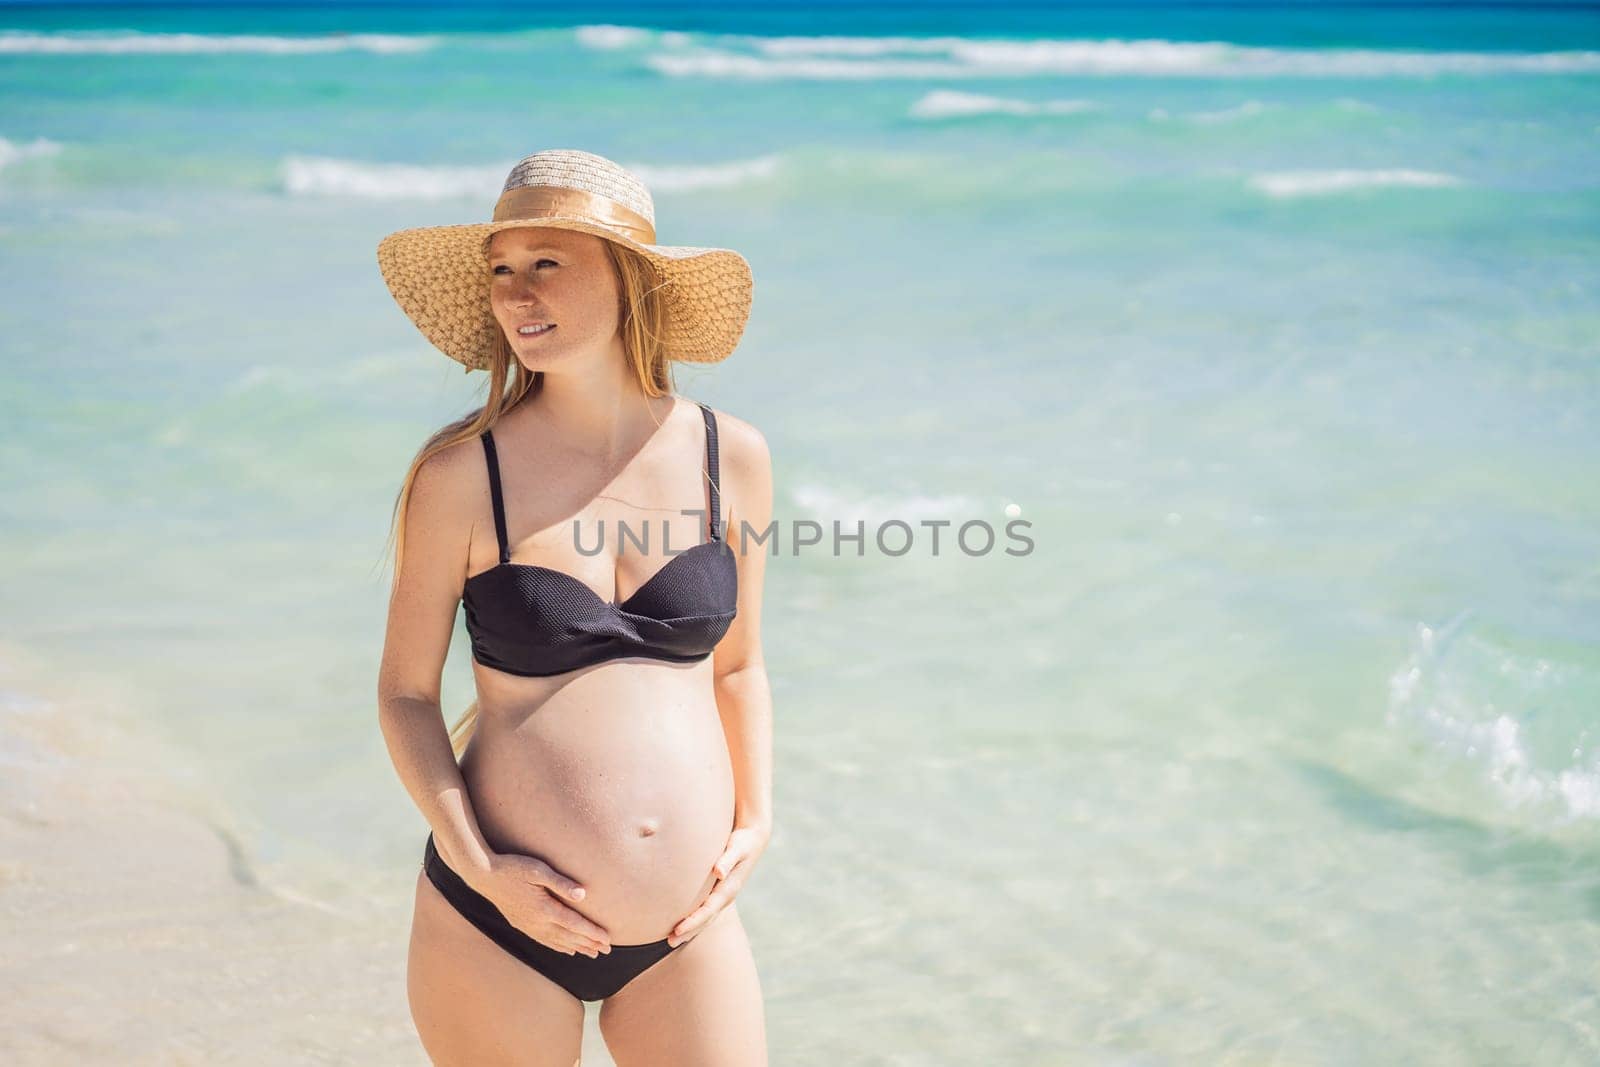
pixel 520 292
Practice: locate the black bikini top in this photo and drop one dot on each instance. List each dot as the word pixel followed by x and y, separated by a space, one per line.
pixel 535 621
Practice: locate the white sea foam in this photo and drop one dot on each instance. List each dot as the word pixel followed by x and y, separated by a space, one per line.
pixel 950 103
pixel 14 152
pixel 607 37
pixel 717 64
pixel 848 46
pixel 324 176
pixel 1206 118
pixel 678 178
pixel 1457 700
pixel 821 58
pixel 1292 183
pixel 129 42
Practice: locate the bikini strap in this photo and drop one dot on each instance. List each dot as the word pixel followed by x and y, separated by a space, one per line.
pixel 711 472
pixel 494 491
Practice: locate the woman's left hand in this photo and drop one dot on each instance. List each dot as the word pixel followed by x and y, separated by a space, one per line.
pixel 744 847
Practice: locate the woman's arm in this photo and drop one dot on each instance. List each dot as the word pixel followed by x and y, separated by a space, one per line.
pixel 422 614
pixel 744 698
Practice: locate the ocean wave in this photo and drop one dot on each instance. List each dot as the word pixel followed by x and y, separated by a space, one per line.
pixel 715 64
pixel 1516 716
pixel 949 103
pixel 848 46
pixel 1250 109
pixel 607 38
pixel 1205 118
pixel 324 176
pixel 684 178
pixel 321 176
pixel 1291 183
pixel 742 56
pixel 130 42
pixel 13 152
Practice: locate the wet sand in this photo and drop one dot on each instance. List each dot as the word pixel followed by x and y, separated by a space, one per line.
pixel 135 932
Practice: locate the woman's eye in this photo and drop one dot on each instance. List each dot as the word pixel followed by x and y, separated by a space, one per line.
pixel 541 263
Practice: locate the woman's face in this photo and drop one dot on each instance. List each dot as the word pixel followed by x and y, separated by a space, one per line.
pixel 554 277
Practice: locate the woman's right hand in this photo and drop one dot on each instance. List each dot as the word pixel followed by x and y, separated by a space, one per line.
pixel 531 895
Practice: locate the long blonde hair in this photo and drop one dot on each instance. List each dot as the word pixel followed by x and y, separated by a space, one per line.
pixel 643 315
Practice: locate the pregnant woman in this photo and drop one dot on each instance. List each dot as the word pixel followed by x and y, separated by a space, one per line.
pixel 598 807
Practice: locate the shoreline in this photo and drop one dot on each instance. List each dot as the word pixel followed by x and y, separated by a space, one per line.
pixel 136 931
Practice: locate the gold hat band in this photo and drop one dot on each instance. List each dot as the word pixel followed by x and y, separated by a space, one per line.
pixel 541 201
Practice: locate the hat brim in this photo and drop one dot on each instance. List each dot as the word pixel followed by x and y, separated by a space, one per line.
pixel 440 278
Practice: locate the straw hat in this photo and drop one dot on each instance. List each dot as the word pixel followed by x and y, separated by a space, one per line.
pixel 439 275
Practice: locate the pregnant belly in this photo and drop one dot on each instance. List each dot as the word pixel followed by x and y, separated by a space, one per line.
pixel 629 794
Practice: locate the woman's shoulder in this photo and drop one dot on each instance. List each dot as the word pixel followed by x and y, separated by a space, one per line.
pixel 454 473
pixel 740 445
pixel 728 424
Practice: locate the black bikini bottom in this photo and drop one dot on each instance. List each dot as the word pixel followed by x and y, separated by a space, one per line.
pixel 584 978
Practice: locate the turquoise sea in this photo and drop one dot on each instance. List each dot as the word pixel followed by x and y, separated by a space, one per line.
pixel 1279 323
